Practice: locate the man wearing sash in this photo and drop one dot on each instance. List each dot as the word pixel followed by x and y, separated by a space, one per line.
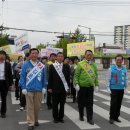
pixel 58 85
pixel 85 80
pixel 33 83
pixel 117 83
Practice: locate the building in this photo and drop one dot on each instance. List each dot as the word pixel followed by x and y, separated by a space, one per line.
pixel 118 35
pixel 127 36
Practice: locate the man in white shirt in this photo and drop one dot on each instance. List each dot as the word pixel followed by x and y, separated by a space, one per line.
pixel 5 81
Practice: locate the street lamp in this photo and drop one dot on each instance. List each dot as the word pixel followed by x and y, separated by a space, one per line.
pixel 87 28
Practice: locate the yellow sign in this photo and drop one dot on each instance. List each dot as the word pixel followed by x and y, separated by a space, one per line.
pixel 78 49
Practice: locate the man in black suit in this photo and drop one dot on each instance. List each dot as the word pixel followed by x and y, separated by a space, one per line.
pixel 58 85
pixel 6 80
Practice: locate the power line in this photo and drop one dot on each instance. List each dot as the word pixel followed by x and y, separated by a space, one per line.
pixel 61 33
pixel 92 3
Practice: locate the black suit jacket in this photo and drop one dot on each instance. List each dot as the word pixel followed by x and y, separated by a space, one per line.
pixel 8 74
pixel 54 82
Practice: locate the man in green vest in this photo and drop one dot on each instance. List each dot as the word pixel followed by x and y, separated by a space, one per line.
pixel 85 80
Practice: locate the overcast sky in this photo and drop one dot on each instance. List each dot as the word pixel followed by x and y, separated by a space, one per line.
pixel 64 16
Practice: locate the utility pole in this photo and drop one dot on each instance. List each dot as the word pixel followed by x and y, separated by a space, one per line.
pixel 89 31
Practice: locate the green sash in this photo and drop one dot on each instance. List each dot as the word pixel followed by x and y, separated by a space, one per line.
pixel 87 68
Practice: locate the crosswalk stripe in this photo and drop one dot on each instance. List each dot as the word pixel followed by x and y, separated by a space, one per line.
pixel 14 101
pixel 105 114
pixel 73 115
pixel 125 96
pixel 123 108
pixel 40 121
pixel 102 96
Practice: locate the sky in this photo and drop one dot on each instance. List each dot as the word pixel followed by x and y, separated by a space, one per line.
pixel 64 16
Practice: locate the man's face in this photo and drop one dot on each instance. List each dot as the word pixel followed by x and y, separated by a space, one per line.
pixel 52 58
pixel 66 61
pixel 60 58
pixel 2 57
pixel 89 55
pixel 119 61
pixel 34 55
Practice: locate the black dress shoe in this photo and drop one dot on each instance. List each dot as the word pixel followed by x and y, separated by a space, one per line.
pixel 49 107
pixel 61 120
pixel 36 124
pixel 30 127
pixel 3 115
pixel 118 120
pixel 111 121
pixel 81 118
pixel 56 121
pixel 91 122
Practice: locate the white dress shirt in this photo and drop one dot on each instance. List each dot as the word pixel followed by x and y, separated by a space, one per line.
pixel 60 65
pixel 2 71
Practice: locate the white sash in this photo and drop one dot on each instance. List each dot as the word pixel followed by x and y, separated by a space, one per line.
pixel 59 71
pixel 34 72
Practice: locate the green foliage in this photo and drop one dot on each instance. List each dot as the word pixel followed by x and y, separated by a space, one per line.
pixel 70 38
pixel 40 46
pixel 3 40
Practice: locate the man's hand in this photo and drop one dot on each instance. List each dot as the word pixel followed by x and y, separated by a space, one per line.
pixel 96 89
pixel 126 91
pixel 77 87
pixel 50 90
pixel 43 91
pixel 24 91
pixel 108 90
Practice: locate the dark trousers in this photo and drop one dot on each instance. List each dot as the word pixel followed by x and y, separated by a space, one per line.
pixel 115 103
pixel 85 99
pixel 3 92
pixel 17 88
pixel 73 92
pixel 22 99
pixel 49 99
pixel 58 99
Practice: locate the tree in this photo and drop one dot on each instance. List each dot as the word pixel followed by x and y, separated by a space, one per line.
pixel 70 38
pixel 4 40
pixel 40 46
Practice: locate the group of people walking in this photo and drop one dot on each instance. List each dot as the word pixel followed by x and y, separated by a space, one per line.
pixel 56 78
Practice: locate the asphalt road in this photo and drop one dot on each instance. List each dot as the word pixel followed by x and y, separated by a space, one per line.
pixel 16 119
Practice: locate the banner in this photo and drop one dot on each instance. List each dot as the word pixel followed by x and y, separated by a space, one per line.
pixel 47 51
pixel 78 49
pixel 21 43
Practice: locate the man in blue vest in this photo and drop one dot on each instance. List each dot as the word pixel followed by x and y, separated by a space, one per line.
pixel 117 82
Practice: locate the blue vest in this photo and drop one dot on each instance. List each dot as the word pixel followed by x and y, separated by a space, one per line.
pixel 118 78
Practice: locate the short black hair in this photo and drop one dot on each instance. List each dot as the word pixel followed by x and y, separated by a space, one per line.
pixel 33 49
pixel 52 54
pixel 59 53
pixel 119 55
pixel 88 51
pixel 19 57
pixel 45 57
pixel 3 52
pixel 27 54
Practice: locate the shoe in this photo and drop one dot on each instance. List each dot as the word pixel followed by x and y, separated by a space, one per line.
pixel 81 118
pixel 91 122
pixel 37 124
pixel 17 98
pixel 49 107
pixel 21 108
pixel 61 120
pixel 3 115
pixel 111 121
pixel 56 121
pixel 30 127
pixel 118 120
